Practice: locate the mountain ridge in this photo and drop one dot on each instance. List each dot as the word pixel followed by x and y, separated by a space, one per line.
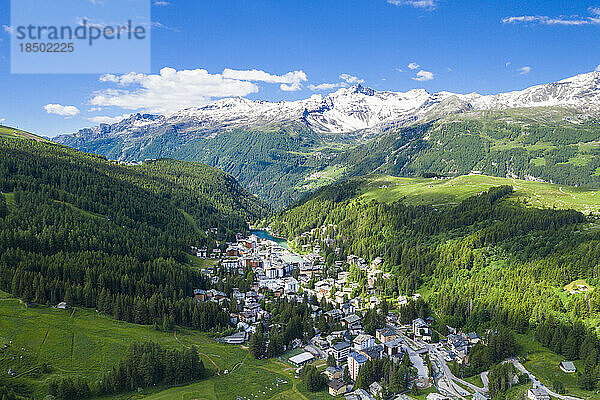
pixel 282 150
pixel 359 108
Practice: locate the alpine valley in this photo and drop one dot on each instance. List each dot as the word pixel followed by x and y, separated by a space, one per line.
pixel 362 245
pixel 281 150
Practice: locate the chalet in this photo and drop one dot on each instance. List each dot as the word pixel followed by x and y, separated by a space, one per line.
pixel 290 285
pixel 320 342
pixel 199 294
pixel 392 347
pixel 356 329
pixel 473 338
pixel 348 308
pixel 350 320
pixel 458 344
pixel 359 394
pixel 334 316
pixel 336 336
pixel 568 367
pixel 232 252
pixel 337 387
pixel 333 373
pixel 377 262
pixel 373 353
pixel 402 300
pixel 385 335
pixel 537 394
pixel 232 265
pixel 375 389
pixel 421 329
pixel 247 317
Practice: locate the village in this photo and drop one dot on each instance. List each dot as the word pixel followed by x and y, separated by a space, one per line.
pixel 341 353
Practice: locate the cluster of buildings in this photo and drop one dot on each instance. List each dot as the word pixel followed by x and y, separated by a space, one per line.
pixel 273 266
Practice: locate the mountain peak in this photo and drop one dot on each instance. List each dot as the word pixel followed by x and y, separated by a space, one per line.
pixel 358 88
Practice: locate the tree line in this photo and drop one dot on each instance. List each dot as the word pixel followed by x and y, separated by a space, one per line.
pixel 144 365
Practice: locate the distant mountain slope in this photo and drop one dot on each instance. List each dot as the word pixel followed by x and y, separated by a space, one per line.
pixel 281 150
pixel 549 144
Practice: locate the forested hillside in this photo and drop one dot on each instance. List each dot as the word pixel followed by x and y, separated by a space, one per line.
pixel 552 144
pixel 483 257
pixel 78 228
pixel 545 144
pixel 485 262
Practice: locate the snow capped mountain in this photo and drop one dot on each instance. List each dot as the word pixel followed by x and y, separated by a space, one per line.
pixel 357 108
pixel 581 91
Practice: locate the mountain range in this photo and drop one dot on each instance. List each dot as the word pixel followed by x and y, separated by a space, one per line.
pixel 307 140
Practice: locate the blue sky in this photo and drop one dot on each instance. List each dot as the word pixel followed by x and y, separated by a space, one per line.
pixel 286 50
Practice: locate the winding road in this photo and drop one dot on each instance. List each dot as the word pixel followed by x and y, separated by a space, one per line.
pixel 536 382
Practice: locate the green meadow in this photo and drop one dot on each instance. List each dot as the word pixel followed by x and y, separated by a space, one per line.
pixel 450 191
pixel 8 132
pixel 544 364
pixel 80 342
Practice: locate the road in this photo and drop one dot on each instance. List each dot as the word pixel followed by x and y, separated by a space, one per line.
pixel 537 383
pixel 446 381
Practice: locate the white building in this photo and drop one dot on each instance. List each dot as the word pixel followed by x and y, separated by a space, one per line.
pixel 363 341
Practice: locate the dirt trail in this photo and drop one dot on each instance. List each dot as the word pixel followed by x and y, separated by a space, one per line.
pixel 202 354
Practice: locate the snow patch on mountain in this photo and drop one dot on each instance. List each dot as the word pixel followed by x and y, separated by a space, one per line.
pixel 354 109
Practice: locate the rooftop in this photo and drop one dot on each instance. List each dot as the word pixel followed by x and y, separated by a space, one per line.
pixel 301 358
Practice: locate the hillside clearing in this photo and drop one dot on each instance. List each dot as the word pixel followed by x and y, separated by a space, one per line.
pixel 439 192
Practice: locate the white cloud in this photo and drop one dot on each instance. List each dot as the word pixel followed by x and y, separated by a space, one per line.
pixel 399 70
pixel 594 10
pixel 598 68
pixel 8 29
pixel 2 120
pixel 423 76
pixel 326 86
pixel 350 79
pixel 108 120
pixel 413 65
pixel 347 80
pixel 425 4
pixel 58 109
pixel 507 64
pixel 172 90
pixel 574 20
pixel 291 81
pixel 524 70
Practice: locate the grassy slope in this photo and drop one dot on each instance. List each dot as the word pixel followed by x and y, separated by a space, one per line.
pixel 544 364
pixel 8 132
pixel 83 343
pixel 451 191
